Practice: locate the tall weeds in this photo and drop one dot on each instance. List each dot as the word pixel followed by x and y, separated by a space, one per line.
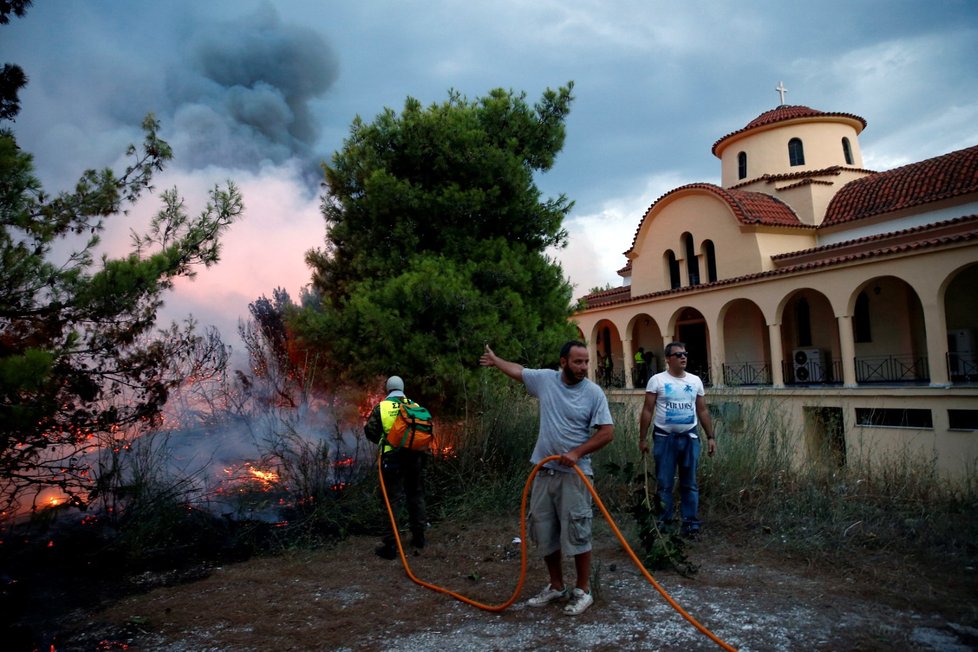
pixel 482 463
pixel 759 485
pixel 757 488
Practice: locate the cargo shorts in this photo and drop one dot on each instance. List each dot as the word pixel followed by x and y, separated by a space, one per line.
pixel 560 513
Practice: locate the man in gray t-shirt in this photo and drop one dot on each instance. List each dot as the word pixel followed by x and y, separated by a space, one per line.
pixel 574 422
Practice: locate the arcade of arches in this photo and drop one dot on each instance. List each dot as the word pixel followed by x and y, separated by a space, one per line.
pixel 872 341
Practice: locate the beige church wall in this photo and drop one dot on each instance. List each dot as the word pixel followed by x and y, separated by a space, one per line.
pixel 954 453
pixel 767 149
pixel 772 243
pixel 647 334
pixel 895 314
pixel 802 200
pixel 742 322
pixel 705 217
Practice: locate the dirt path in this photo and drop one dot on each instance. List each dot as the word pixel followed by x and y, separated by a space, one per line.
pixel 346 598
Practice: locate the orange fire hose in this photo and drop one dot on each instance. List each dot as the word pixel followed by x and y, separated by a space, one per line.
pixel 519 584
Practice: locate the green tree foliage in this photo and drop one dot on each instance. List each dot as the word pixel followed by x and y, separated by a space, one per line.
pixel 79 359
pixel 436 244
pixel 12 77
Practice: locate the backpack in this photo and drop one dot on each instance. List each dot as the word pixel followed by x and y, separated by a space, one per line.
pixel 411 428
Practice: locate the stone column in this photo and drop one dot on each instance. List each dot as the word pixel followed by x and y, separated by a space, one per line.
pixel 777 358
pixel 935 323
pixel 847 349
pixel 717 356
pixel 592 368
pixel 629 361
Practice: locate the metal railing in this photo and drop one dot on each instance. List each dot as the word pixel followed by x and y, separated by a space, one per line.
pixel 892 369
pixel 902 369
pixel 962 367
pixel 747 373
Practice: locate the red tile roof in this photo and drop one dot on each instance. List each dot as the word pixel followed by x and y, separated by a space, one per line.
pixel 831 171
pixel 941 177
pixel 752 208
pixel 952 227
pixel 943 234
pixel 784 113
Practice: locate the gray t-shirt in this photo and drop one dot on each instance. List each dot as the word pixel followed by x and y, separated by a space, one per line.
pixel 568 415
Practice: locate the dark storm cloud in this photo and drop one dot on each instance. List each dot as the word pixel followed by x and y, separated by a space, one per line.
pixel 242 95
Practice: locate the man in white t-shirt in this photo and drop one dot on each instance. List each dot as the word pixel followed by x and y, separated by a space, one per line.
pixel 674 406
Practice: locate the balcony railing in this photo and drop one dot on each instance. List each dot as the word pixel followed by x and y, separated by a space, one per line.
pixel 747 373
pixel 892 369
pixel 962 367
pixel 901 369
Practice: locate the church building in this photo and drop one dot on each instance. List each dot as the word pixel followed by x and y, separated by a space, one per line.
pixel 844 296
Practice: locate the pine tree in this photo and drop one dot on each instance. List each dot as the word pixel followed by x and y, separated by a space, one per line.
pixel 80 363
pixel 437 242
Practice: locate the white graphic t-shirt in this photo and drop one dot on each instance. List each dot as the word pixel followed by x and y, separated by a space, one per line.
pixel 675 401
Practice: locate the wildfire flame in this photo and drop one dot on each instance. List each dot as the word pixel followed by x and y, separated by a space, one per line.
pixel 248 478
pixel 266 478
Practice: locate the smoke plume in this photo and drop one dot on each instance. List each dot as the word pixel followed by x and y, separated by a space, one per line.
pixel 242 96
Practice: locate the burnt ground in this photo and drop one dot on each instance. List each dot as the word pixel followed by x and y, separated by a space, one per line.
pixel 747 592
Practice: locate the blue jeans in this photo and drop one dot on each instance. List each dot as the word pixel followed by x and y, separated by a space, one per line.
pixel 671 452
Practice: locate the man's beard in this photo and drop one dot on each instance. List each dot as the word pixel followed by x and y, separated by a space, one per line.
pixel 569 376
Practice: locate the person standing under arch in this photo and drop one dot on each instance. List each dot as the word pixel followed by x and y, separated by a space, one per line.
pixel 674 406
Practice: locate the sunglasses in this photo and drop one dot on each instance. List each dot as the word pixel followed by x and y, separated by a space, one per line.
pixel 681 354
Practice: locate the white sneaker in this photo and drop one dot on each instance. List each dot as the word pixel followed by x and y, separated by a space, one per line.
pixel 579 602
pixel 546 596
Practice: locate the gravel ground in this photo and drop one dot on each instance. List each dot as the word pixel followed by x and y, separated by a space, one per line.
pixel 345 598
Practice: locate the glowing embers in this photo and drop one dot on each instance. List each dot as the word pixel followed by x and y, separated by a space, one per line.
pixel 246 477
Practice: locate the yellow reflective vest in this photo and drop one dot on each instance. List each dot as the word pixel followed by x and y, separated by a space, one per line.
pixel 389 409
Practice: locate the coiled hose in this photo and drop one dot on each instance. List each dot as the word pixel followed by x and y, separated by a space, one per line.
pixel 519 585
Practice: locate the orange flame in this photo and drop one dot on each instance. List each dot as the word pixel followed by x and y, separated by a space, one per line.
pixel 267 478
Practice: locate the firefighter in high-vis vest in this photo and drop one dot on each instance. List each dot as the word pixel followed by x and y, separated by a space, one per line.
pixel 641 368
pixel 403 470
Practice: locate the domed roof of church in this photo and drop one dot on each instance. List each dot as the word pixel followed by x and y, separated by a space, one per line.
pixel 788 112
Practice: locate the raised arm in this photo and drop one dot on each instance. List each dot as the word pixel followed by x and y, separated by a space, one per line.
pixel 511 369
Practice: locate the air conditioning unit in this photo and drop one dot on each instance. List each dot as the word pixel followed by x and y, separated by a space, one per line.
pixel 809 365
pixel 961 340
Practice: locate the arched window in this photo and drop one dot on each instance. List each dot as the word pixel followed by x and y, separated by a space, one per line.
pixel 742 165
pixel 692 262
pixel 861 331
pixel 796 152
pixel 711 260
pixel 674 281
pixel 847 151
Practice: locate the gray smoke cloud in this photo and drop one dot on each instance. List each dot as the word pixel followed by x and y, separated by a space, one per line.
pixel 241 96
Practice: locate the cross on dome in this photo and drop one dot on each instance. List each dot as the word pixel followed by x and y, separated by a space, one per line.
pixel 781 91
